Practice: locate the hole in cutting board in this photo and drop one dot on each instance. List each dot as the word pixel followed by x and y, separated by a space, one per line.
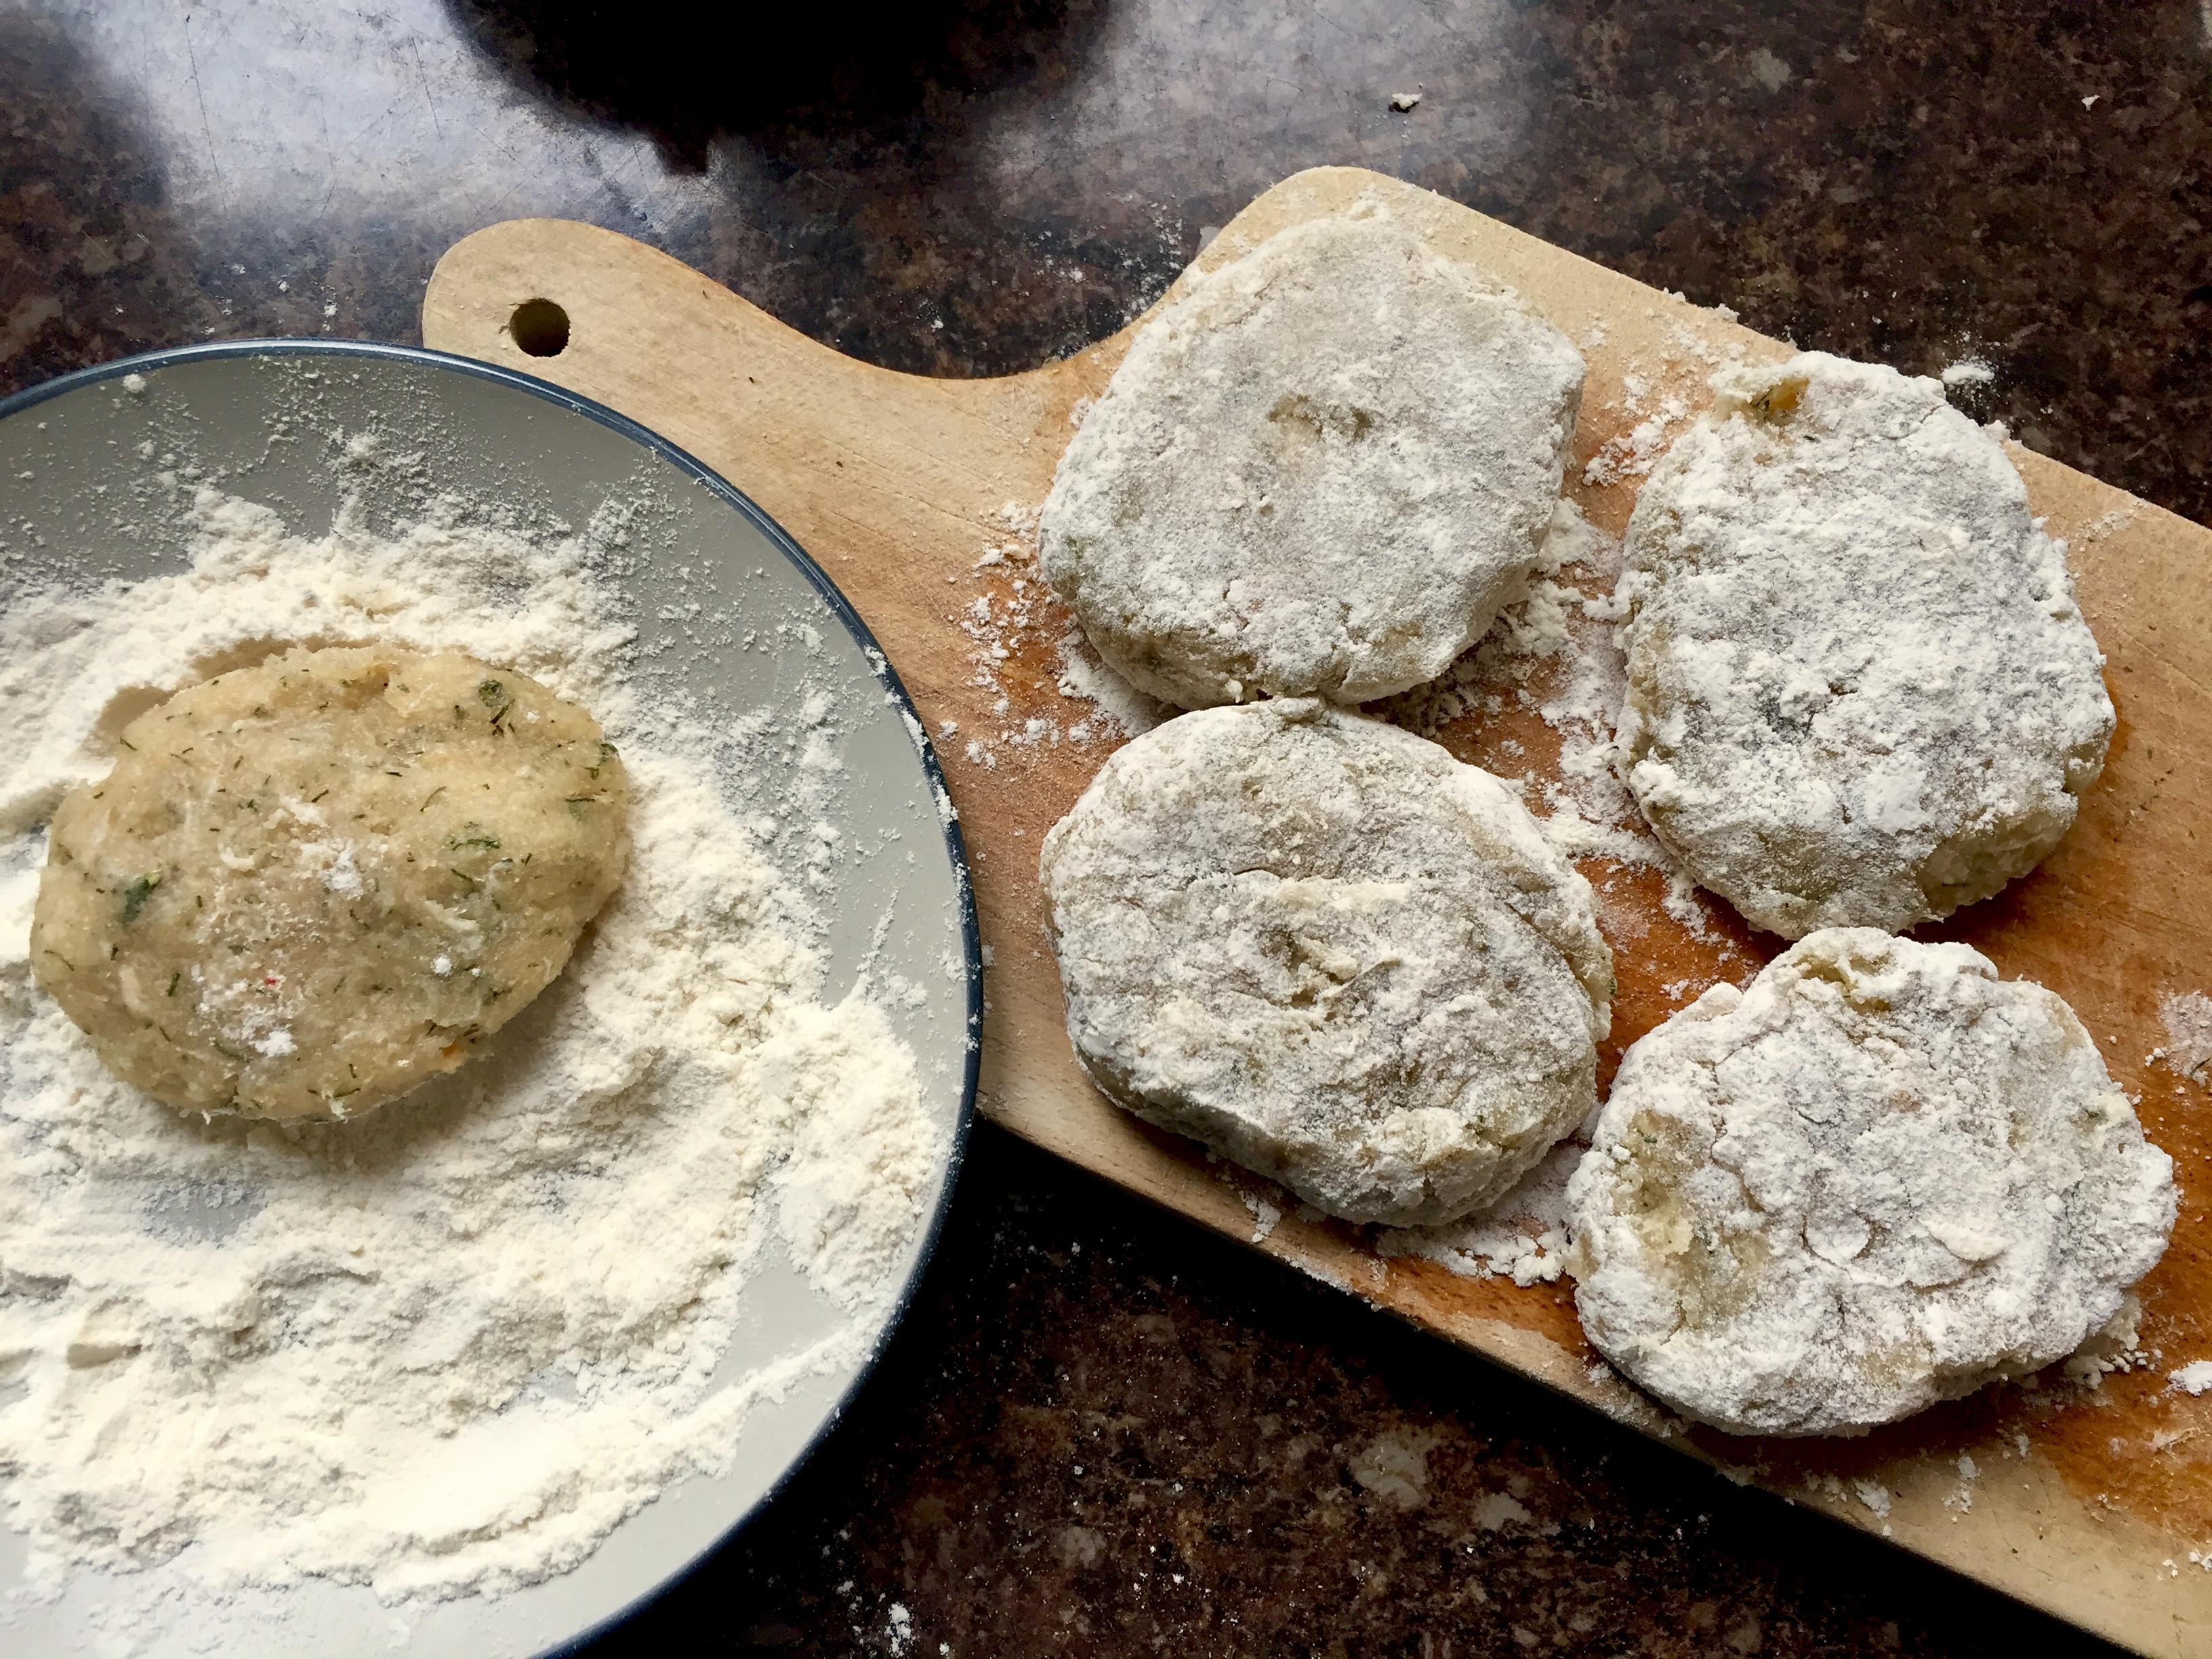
pixel 539 327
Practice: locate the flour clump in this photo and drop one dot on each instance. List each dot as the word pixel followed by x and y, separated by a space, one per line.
pixel 1860 692
pixel 309 886
pixel 1321 471
pixel 1329 951
pixel 1877 1178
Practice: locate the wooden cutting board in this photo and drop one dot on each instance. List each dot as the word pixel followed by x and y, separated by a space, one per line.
pixel 918 495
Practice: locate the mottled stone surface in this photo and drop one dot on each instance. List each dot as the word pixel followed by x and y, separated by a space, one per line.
pixel 972 190
pixel 976 189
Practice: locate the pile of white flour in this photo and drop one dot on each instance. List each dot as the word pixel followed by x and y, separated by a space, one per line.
pixel 448 1347
pixel 1523 1236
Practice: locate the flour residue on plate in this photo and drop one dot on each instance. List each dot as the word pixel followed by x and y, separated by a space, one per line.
pixel 448 1347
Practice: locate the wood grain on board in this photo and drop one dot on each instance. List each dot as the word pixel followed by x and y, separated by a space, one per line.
pixel 917 496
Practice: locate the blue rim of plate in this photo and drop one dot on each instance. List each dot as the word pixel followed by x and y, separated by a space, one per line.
pixel 956 847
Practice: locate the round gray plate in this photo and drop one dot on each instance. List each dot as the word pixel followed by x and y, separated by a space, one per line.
pixel 732 615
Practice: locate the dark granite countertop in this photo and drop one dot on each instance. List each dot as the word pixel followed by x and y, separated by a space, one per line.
pixel 1100 1432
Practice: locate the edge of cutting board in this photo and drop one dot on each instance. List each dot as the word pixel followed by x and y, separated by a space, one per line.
pixel 895 483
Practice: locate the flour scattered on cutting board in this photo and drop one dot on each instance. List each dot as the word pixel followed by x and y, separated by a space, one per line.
pixel 1961 1502
pixel 446 1349
pixel 1523 1236
pixel 2194 1378
pixel 1658 398
pixel 1554 655
pixel 1018 632
pixel 1122 710
pixel 2187 1018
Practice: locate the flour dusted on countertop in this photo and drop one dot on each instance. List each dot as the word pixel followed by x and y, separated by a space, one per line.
pixel 447 1348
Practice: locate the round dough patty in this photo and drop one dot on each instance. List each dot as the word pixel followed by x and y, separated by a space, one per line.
pixel 1860 692
pixel 1328 949
pixel 307 887
pixel 1877 1178
pixel 1321 471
